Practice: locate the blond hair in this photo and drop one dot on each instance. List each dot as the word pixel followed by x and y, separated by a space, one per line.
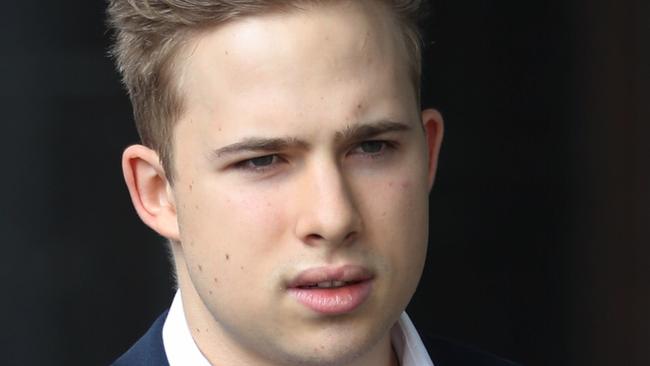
pixel 149 34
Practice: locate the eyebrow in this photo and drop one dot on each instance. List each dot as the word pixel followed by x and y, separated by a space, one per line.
pixel 259 144
pixel 370 130
pixel 350 133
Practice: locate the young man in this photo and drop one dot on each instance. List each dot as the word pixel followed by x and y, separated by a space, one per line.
pixel 287 162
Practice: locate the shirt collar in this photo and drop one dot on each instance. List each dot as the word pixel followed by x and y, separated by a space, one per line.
pixel 181 349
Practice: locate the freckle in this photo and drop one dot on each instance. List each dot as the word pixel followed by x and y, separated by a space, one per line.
pixel 210 292
pixel 200 268
pixel 227 257
pixel 216 280
pixel 383 214
pixel 390 184
pixel 196 207
pixel 198 330
pixel 242 268
pixel 190 187
pixel 226 52
pixel 359 106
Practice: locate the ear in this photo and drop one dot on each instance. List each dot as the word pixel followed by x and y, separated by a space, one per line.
pixel 433 130
pixel 150 190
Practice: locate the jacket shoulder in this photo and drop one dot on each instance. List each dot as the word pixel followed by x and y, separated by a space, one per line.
pixel 444 352
pixel 148 350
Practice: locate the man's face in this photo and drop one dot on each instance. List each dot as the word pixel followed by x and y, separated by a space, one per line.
pixel 300 159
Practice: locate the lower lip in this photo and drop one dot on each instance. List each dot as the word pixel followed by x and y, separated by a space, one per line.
pixel 333 301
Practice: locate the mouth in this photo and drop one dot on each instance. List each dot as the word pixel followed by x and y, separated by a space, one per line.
pixel 328 284
pixel 332 290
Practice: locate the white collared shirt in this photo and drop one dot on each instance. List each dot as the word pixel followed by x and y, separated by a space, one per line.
pixel 181 349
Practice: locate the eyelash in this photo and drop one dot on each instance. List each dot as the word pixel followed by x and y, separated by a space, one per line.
pixel 247 165
pixel 386 146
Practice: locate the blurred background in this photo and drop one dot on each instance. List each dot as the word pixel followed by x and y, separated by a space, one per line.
pixel 540 218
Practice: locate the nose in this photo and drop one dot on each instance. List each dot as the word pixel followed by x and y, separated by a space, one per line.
pixel 327 213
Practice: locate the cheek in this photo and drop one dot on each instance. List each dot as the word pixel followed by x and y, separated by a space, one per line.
pixel 230 231
pixel 230 242
pixel 397 220
pixel 229 217
pixel 398 203
pixel 265 210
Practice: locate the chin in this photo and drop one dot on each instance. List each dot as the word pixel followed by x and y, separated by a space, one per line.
pixel 326 355
pixel 335 347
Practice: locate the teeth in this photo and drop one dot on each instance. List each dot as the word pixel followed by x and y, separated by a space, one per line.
pixel 330 284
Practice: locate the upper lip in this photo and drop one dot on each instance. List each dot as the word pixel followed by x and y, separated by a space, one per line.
pixel 345 273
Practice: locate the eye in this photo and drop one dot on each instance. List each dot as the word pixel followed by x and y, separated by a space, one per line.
pixel 372 147
pixel 375 150
pixel 263 161
pixel 259 163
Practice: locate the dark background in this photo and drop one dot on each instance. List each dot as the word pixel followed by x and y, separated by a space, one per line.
pixel 539 219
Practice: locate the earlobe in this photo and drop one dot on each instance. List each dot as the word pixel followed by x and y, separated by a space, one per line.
pixel 149 189
pixel 434 130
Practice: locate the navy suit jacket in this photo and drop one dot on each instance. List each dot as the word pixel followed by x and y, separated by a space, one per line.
pixel 149 351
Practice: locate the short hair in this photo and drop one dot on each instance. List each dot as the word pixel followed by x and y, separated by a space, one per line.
pixel 149 34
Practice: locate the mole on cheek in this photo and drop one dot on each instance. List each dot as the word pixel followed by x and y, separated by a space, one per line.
pixel 227 257
pixel 216 280
pixel 200 268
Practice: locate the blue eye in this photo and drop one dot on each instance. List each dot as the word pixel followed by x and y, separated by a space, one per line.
pixel 372 147
pixel 262 161
pixel 258 163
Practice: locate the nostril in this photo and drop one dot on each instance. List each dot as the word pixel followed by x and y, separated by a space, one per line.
pixel 350 235
pixel 314 238
pixel 311 237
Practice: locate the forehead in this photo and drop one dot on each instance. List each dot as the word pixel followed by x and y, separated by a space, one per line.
pixel 341 51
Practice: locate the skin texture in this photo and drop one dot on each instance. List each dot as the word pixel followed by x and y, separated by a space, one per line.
pixel 242 229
